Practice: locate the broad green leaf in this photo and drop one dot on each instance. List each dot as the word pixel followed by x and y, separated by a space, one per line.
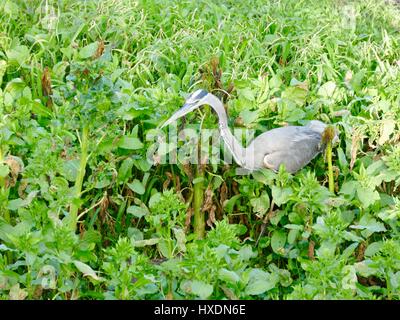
pixel 180 239
pixel 248 116
pixel 295 115
pixel 136 211
pixel 367 196
pixel 201 289
pixel 277 216
pixel 146 242
pixel 369 224
pixel 124 171
pixel 18 55
pixel 70 169
pixel 281 195
pixel 104 182
pixel 296 94
pixel 278 241
pixel 349 188
pixel 246 93
pixel 4 170
pixel 294 227
pixel 327 89
pixel 228 276
pixel 135 234
pixel 387 128
pixel 3 68
pixel 260 204
pixel 373 248
pixel 130 143
pixel 21 203
pixel 87 270
pixel 11 8
pixel 229 204
pixel 155 198
pixel 292 236
pixel 137 186
pixel 142 164
pixel 349 280
pixel 246 253
pixel 261 281
pixel 88 51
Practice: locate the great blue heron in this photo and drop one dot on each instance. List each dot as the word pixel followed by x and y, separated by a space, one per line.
pixel 293 146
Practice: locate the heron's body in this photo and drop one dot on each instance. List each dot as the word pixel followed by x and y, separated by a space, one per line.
pixel 293 146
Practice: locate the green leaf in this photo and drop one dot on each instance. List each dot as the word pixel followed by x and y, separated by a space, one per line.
pixel 155 198
pixel 18 55
pixel 281 195
pixel 130 143
pixel 142 164
pixel 292 236
pixel 4 170
pixel 136 211
pixel 229 204
pixel 296 94
pixel 70 169
pixel 373 248
pixel 147 242
pixel 246 93
pixel 135 234
pixel 246 253
pixel 248 116
pixel 3 68
pixel 21 203
pixel 88 51
pixel 349 188
pixel 369 224
pixel 278 241
pixel 327 89
pixel 367 196
pixel 11 8
pixel 260 204
pixel 137 186
pixel 124 171
pixel 87 270
pixel 180 239
pixel 228 276
pixel 201 289
pixel 387 128
pixel 260 282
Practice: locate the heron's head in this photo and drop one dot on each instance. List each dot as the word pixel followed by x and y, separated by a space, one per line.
pixel 195 100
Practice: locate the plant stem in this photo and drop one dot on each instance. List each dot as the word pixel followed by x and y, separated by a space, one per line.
pixel 330 168
pixel 4 193
pixel 79 179
pixel 199 223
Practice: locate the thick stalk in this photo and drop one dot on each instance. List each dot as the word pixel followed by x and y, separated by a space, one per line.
pixel 79 179
pixel 6 214
pixel 330 168
pixel 199 222
pixel 4 192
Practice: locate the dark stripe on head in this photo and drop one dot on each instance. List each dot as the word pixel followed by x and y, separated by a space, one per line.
pixel 197 95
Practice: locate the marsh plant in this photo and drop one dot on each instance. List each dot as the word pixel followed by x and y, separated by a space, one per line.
pixel 84 87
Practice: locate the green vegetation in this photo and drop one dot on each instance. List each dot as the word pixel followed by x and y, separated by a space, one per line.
pixel 83 215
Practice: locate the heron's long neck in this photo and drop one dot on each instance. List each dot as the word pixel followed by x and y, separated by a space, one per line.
pixel 237 151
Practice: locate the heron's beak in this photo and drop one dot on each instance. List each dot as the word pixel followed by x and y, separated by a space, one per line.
pixel 187 107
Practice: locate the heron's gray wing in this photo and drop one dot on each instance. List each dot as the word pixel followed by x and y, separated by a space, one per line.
pixel 296 151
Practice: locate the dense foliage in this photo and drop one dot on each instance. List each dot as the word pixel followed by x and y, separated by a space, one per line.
pixel 84 215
